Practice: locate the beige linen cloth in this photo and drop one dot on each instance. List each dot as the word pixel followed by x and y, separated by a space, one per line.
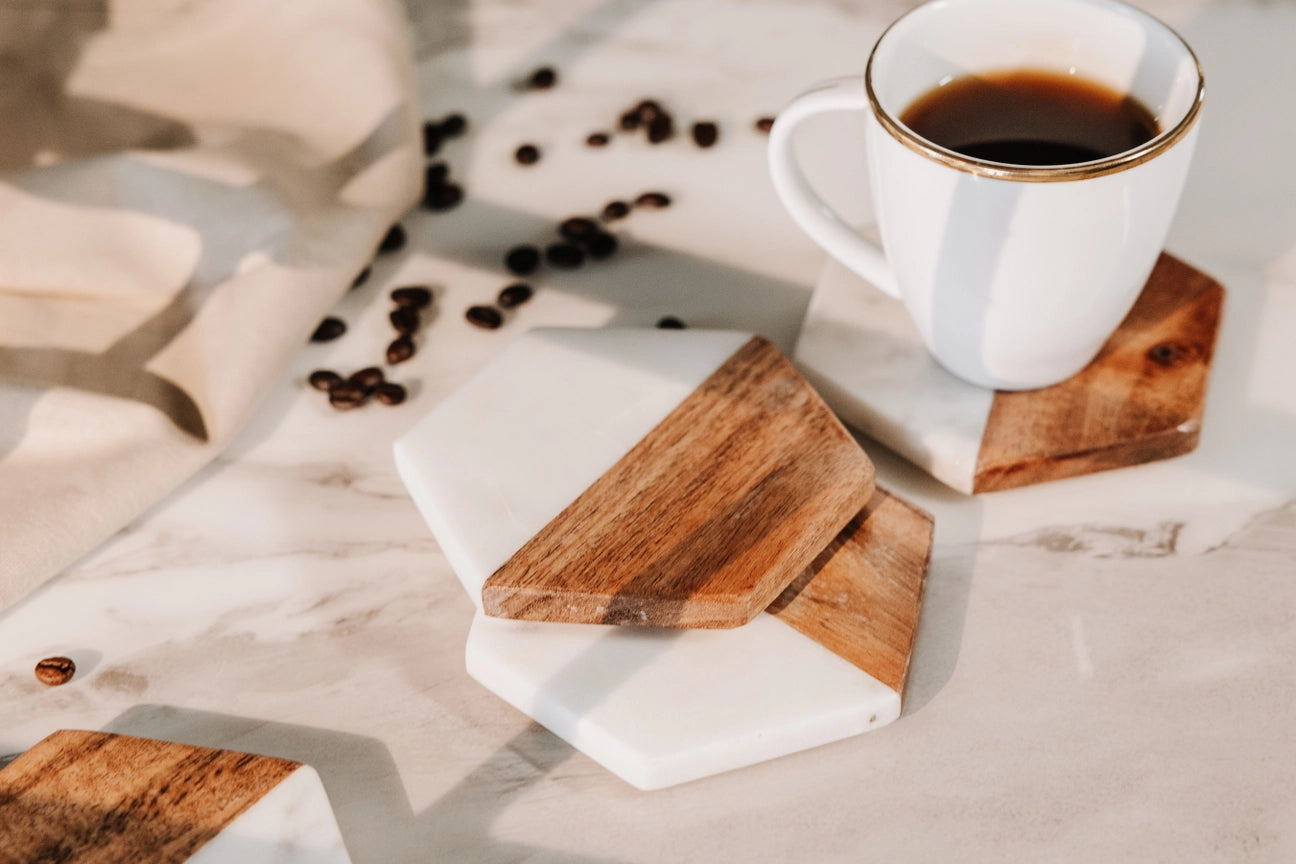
pixel 186 188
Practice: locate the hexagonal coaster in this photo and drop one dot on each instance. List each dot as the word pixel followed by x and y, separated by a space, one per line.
pixel 97 797
pixel 1140 400
pixel 658 707
pixel 650 477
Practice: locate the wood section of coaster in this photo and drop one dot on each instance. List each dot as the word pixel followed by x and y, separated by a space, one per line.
pixel 1140 400
pixel 862 596
pixel 706 520
pixel 94 797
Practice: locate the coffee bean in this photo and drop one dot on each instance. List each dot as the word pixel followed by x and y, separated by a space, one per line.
pixel 661 128
pixel 361 277
pixel 614 210
pixel 400 350
pixel 601 245
pixel 564 255
pixel 705 133
pixel 543 78
pixel 431 138
pixel 53 671
pixel 324 379
pixel 629 121
pixel 443 197
pixel 348 394
pixel 527 154
pixel 390 393
pixel 512 296
pixel 416 296
pixel 648 110
pixel 598 139
pixel 405 319
pixel 765 124
pixel 578 228
pixel 436 175
pixel 368 378
pixel 393 240
pixel 485 317
pixel 653 200
pixel 328 330
pixel 522 260
pixel 454 125
pixel 670 322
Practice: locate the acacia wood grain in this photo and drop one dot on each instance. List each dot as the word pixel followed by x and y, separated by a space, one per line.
pixel 705 520
pixel 1141 399
pixel 99 798
pixel 862 596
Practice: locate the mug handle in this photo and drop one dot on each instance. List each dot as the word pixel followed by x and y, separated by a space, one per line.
pixel 808 210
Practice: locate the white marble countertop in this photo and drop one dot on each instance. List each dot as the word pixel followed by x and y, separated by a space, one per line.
pixel 1104 669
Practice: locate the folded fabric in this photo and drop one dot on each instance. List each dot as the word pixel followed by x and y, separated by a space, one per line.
pixel 186 188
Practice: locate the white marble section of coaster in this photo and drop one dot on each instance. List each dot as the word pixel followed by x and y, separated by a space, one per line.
pixel 291 824
pixel 496 461
pixel 863 354
pixel 661 707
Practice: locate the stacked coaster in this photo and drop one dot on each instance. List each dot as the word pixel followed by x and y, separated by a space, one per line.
pixel 692 488
pixel 98 797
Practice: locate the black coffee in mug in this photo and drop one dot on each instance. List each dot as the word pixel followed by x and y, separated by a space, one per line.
pixel 1030 117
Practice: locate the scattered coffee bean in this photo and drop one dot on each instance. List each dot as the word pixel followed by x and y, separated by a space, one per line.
pixel 361 277
pixel 601 245
pixel 648 110
pixel 454 125
pixel 348 394
pixel 527 154
pixel 564 255
pixel 368 378
pixel 416 296
pixel 543 78
pixel 393 240
pixel 653 200
pixel 522 260
pixel 400 350
pixel 598 139
pixel 670 322
pixel 324 379
pixel 765 124
pixel 431 138
pixel 578 228
pixel 512 296
pixel 443 196
pixel 390 393
pixel 436 175
pixel 705 133
pixel 614 210
pixel 629 121
pixel 328 330
pixel 485 317
pixel 53 671
pixel 405 319
pixel 661 128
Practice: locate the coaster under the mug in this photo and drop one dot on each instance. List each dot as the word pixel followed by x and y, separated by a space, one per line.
pixel 1140 399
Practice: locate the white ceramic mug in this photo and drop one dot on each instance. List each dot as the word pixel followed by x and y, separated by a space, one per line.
pixel 1014 275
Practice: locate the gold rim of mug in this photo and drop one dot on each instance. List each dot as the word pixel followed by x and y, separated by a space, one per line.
pixel 1037 173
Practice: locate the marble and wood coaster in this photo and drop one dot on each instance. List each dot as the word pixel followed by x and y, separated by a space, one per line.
pixel 92 797
pixel 647 477
pixel 1140 400
pixel 829 659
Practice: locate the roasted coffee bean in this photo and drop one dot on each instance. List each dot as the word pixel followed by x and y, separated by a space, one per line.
pixel 368 378
pixel 670 322
pixel 324 379
pixel 527 154
pixel 454 125
pixel 601 245
pixel 393 240
pixel 405 319
pixel 512 296
pixel 705 133
pixel 328 330
pixel 543 78
pixel 578 228
pixel 390 393
pixel 653 200
pixel 431 138
pixel 564 255
pixel 443 196
pixel 417 296
pixel 765 124
pixel 53 671
pixel 661 128
pixel 648 110
pixel 614 210
pixel 598 139
pixel 522 260
pixel 361 277
pixel 629 121
pixel 485 317
pixel 400 350
pixel 348 394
